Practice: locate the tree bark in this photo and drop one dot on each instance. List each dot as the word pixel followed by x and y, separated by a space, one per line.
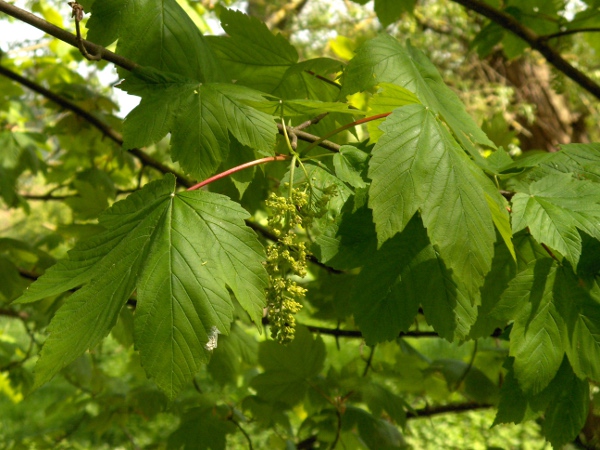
pixel 555 122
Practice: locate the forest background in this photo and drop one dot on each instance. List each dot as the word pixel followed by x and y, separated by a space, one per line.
pixel 527 74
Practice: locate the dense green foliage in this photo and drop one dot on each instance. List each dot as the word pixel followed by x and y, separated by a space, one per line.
pixel 372 257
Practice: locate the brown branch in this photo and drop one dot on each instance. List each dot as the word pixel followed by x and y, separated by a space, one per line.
pixel 28 274
pixel 547 37
pixel 105 129
pixel 49 197
pixel 310 122
pixel 16 314
pixel 536 42
pixel 65 36
pixel 324 79
pixel 444 409
pixel 307 137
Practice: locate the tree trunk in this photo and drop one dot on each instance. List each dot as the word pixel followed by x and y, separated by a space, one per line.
pixel 554 121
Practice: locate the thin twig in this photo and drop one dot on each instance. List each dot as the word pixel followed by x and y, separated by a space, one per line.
pixel 536 42
pixel 444 409
pixel 77 14
pixel 357 334
pixel 49 197
pixel 239 168
pixel 307 137
pixel 65 36
pixel 12 313
pixel 369 362
pixel 547 37
pixel 552 255
pixel 345 127
pixel 338 428
pixel 322 78
pixel 310 122
pixel 246 435
pixel 468 368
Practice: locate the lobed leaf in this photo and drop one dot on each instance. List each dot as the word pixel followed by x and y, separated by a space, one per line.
pixel 384 59
pixel 554 208
pixel 199 117
pixel 536 339
pixel 251 54
pixel 417 165
pixel 155 33
pixel 183 252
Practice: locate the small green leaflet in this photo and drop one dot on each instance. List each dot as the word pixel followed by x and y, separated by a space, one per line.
pixel 155 33
pixel 200 117
pixel 182 251
pixel 536 339
pixel 384 59
pixel 350 163
pixel 418 166
pixel 582 160
pixel 554 208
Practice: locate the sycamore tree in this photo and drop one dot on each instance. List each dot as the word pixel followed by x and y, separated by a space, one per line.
pixel 275 251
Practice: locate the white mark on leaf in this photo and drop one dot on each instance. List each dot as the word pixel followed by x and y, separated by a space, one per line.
pixel 212 339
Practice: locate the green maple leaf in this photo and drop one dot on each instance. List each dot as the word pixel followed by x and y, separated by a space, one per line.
pixel 537 337
pixel 582 160
pixel 384 59
pixel 155 33
pixel 200 117
pixel 183 252
pixel 418 166
pixel 253 56
pixel 554 208
pixel 251 53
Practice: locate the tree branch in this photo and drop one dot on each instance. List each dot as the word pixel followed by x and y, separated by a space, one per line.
pixel 120 61
pixel 536 42
pixel 105 129
pixel 65 36
pixel 12 313
pixel 357 334
pixel 444 409
pixel 547 37
pixel 307 137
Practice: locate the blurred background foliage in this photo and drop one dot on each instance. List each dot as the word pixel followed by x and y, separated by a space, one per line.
pixel 57 172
